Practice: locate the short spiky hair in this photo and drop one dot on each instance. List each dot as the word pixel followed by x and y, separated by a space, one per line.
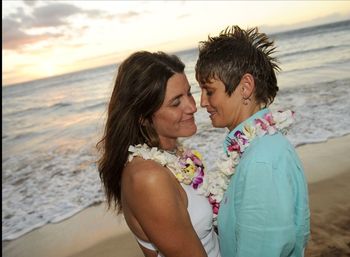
pixel 236 52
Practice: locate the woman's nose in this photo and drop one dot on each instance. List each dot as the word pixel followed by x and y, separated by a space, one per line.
pixel 191 106
pixel 204 99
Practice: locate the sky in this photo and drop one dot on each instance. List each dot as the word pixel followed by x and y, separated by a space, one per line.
pixel 42 38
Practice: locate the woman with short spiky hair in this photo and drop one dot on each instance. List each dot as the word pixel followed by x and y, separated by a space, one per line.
pixel 260 192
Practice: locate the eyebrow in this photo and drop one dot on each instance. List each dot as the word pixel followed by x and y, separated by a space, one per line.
pixel 206 86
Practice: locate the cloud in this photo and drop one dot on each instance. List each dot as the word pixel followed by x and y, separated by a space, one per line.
pixel 123 17
pixel 97 14
pixel 16 27
pixel 52 15
pixel 14 37
pixel 30 2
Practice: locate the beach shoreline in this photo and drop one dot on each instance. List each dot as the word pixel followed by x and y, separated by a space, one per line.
pixel 96 232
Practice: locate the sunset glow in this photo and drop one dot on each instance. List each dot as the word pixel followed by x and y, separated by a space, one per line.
pixel 46 38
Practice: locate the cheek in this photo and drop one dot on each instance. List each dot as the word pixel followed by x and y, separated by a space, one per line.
pixel 166 121
pixel 216 102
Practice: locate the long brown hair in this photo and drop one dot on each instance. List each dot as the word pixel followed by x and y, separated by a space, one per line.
pixel 139 91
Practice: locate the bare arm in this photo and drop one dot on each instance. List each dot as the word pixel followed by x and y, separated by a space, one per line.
pixel 153 197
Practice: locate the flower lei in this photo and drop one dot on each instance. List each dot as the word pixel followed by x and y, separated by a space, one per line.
pixel 187 168
pixel 216 182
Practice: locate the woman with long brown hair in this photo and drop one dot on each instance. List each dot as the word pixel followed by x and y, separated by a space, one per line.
pixel 146 174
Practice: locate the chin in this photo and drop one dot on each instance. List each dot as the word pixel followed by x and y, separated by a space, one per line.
pixel 217 124
pixel 190 131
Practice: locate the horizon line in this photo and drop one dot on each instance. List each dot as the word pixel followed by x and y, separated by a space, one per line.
pixel 172 52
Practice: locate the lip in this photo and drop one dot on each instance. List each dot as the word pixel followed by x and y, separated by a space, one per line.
pixel 188 120
pixel 212 114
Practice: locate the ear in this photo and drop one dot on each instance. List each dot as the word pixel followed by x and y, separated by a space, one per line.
pixel 247 85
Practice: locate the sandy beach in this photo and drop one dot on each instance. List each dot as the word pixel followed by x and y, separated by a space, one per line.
pixel 96 232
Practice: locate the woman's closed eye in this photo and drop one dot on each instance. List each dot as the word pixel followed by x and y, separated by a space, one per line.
pixel 176 102
pixel 209 93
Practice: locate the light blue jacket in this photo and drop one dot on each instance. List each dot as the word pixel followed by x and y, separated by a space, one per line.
pixel 265 210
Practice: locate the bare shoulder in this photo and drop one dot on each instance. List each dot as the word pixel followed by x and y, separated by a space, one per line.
pixel 147 187
pixel 146 174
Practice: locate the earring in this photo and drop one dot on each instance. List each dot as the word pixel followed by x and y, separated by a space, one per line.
pixel 246 100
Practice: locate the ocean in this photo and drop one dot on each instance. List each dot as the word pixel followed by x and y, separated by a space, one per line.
pixel 50 126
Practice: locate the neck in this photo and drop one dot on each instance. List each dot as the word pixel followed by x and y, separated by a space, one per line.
pixel 169 145
pixel 244 113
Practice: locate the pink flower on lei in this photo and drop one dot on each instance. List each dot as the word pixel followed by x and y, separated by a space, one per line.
pixel 216 182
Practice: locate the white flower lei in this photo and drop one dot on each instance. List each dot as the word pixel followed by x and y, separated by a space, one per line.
pixel 162 157
pixel 216 182
pixel 187 168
